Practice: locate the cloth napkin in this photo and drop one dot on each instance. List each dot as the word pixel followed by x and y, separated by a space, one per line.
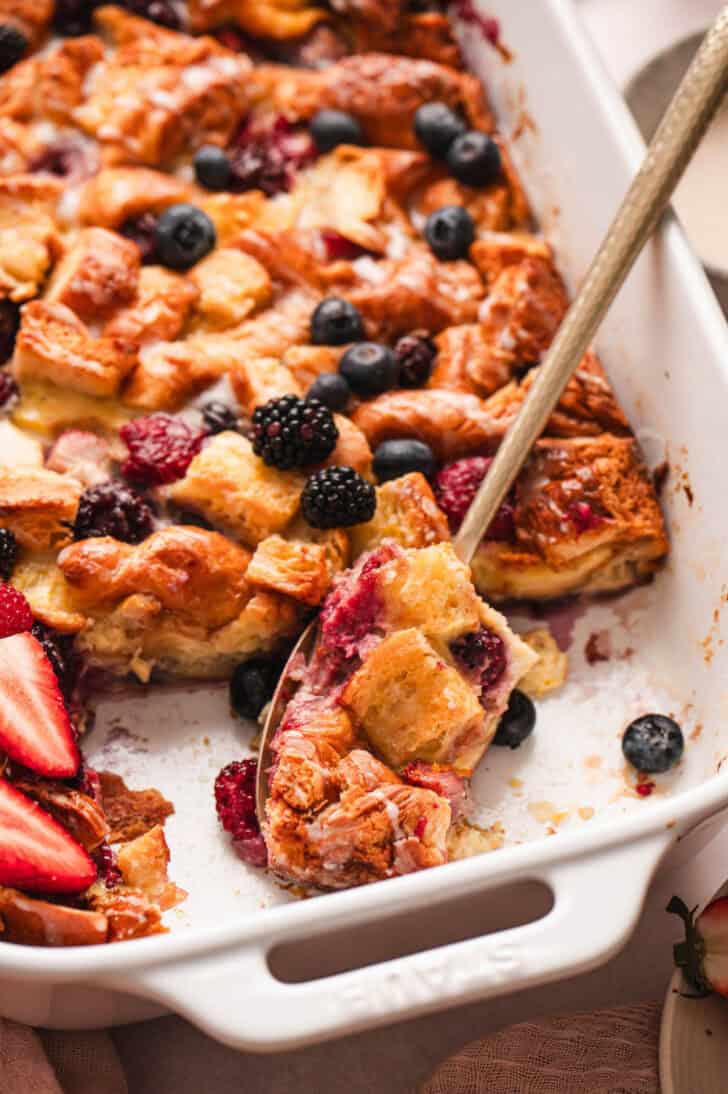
pixel 605 1052
pixel 58 1063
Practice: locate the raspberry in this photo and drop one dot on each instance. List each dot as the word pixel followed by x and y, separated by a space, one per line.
pixel 64 158
pixel 113 509
pixel 583 516
pixel 8 553
pixel 105 858
pixel 161 448
pixel 142 230
pixel 291 432
pixel 235 804
pixel 337 246
pixel 15 613
pixel 269 159
pixel 455 487
pixel 338 497
pixel 415 355
pixel 482 653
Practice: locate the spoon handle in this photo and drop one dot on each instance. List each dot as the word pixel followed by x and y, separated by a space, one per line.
pixel 681 130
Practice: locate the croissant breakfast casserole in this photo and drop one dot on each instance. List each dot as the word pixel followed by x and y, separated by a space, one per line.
pixel 271 295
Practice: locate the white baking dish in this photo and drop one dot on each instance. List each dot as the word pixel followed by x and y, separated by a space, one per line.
pixel 666 349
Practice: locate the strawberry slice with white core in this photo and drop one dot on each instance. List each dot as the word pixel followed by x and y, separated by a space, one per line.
pixel 37 855
pixel 35 729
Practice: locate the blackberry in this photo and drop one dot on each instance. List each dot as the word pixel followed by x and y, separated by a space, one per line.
pixel 415 355
pixel 13 45
pixel 57 649
pixel 113 509
pixel 483 653
pixel 292 432
pixel 218 417
pixel 9 324
pixel 8 553
pixel 142 230
pixel 337 497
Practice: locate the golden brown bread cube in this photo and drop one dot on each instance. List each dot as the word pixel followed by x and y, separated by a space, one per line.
pixel 406 512
pixel 117 194
pixel 231 285
pixel 55 346
pixel 169 374
pixel 236 491
pixel 277 19
pixel 50 85
pixel 37 506
pixel 29 239
pixel 453 423
pixel 50 596
pixel 429 588
pixel 410 703
pixel 159 309
pixel 97 275
pixel 294 568
pixel 166 92
pixel 587 517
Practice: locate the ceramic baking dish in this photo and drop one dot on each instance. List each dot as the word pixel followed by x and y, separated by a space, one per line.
pixel 256 968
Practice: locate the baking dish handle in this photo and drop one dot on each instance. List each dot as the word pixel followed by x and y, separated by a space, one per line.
pixel 233 996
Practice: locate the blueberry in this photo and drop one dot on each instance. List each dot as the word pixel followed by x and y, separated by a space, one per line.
pixel 331 389
pixel 415 355
pixel 517 721
pixel 450 232
pixel 474 159
pixel 437 126
pixel 219 417
pixel 212 168
pixel 252 685
pixel 395 458
pixel 185 234
pixel 13 45
pixel 330 128
pixel 335 322
pixel 653 743
pixel 369 368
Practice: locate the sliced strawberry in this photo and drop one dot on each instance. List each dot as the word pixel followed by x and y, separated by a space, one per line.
pixel 35 729
pixel 703 956
pixel 37 855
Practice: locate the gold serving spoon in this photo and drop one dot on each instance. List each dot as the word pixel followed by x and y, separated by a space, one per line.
pixel 671 149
